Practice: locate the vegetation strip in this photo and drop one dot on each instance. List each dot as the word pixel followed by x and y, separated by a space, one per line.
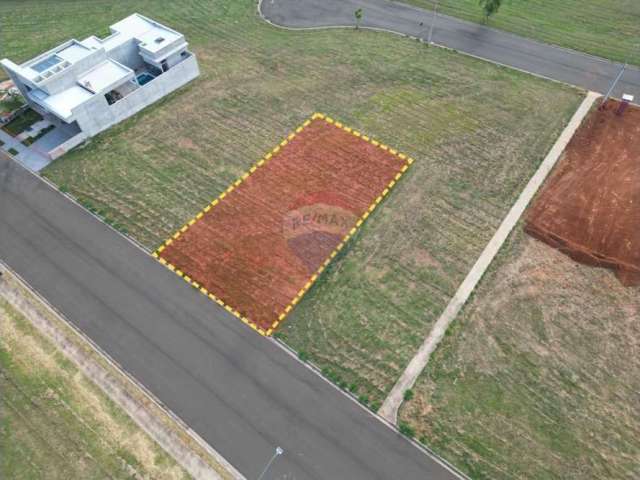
pixel 102 393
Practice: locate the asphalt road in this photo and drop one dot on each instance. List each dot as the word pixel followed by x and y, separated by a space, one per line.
pixel 239 391
pixel 582 70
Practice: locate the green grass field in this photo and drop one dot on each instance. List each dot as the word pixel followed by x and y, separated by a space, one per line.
pixel 538 377
pixel 477 133
pixel 55 424
pixel 609 29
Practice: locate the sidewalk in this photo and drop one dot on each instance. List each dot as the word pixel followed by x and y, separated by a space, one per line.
pixel 389 409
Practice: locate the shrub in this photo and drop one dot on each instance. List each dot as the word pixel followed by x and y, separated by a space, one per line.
pixel 406 429
pixel 408 395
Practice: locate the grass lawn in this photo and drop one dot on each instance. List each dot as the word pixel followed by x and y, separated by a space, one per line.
pixel 609 29
pixel 538 377
pixel 55 424
pixel 21 122
pixel 477 133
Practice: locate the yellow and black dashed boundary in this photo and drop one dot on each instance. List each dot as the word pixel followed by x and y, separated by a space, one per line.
pixel 407 162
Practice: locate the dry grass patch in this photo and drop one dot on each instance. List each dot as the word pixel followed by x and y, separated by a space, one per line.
pixel 56 424
pixel 539 376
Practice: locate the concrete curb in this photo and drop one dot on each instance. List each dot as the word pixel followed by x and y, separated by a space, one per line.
pixel 424 448
pixel 444 47
pixel 113 387
pixel 392 403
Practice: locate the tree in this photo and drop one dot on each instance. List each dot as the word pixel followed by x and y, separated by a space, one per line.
pixel 489 7
pixel 358 14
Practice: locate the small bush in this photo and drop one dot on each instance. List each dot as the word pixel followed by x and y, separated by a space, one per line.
pixel 408 395
pixel 13 151
pixel 303 356
pixel 406 429
pixel 363 399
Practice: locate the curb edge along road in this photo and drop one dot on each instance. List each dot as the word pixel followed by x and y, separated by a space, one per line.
pixel 284 347
pixel 533 42
pixel 423 449
pixel 216 457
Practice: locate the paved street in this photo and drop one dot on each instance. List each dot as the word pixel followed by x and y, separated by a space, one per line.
pixel 586 71
pixel 238 390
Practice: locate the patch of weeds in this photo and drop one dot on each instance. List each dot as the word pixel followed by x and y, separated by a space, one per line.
pixel 408 395
pixel 406 429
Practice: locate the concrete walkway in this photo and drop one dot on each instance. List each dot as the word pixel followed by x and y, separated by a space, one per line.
pixel 560 64
pixel 29 157
pixel 389 409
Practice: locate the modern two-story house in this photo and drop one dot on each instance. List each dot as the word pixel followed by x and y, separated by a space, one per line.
pixel 84 87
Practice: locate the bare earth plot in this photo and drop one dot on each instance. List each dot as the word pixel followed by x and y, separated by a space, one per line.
pixel 273 232
pixel 538 378
pixel 590 208
pixel 476 131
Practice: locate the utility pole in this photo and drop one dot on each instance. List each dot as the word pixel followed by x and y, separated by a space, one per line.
pixel 613 85
pixel 615 82
pixel 433 21
pixel 279 451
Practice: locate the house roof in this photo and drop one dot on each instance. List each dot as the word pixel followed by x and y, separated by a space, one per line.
pixel 104 75
pixel 152 35
pixel 64 102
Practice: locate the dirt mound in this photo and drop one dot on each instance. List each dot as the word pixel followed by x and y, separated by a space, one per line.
pixel 590 207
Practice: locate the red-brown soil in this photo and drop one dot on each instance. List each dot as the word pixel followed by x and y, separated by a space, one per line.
pixel 590 207
pixel 258 248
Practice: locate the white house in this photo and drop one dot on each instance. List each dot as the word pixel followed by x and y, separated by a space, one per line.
pixel 84 87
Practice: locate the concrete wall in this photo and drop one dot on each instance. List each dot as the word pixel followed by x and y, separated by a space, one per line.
pixel 173 60
pixel 157 88
pixel 66 146
pixel 127 54
pixel 97 115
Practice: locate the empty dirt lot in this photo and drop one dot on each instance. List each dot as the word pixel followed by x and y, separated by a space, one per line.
pixel 590 207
